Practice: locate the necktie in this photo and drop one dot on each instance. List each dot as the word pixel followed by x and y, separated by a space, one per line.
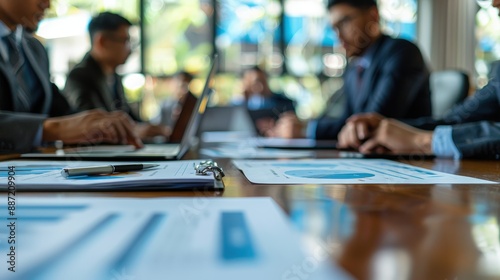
pixel 360 70
pixel 118 95
pixel 18 63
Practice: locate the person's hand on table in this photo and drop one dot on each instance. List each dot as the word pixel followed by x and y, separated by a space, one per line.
pixel 94 126
pixel 288 126
pixel 357 129
pixel 398 138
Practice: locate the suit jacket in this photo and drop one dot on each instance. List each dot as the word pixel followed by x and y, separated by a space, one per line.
pixel 484 105
pixel 86 88
pixel 476 127
pixel 478 139
pixel 18 130
pixel 396 84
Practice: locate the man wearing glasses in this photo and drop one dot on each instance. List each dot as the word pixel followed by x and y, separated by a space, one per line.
pixel 94 83
pixel 384 75
pixel 471 129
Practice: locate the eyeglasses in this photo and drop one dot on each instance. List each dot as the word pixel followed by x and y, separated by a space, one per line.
pixel 127 41
pixel 345 22
pixel 118 39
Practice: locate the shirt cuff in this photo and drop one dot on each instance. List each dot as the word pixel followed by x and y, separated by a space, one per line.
pixel 312 125
pixel 442 143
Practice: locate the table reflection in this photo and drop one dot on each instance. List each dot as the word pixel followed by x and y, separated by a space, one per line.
pixel 400 232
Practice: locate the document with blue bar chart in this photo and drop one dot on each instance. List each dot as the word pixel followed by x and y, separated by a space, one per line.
pixel 155 239
pixel 345 171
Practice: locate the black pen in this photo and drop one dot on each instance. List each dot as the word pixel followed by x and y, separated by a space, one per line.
pixel 104 169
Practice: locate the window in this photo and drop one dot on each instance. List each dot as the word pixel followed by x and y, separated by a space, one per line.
pixel 291 39
pixel 488 38
pixel 178 36
pixel 64 32
pixel 399 18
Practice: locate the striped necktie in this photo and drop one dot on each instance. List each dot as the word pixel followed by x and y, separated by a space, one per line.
pixel 18 63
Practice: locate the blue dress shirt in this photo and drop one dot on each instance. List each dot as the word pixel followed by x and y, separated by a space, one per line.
pixel 442 143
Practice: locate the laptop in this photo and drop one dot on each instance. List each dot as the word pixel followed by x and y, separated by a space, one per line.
pixel 298 143
pixel 172 151
pixel 237 123
pixel 387 155
pixel 284 143
pixel 227 118
pixel 182 121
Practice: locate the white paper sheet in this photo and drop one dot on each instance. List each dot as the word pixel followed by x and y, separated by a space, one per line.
pixel 160 238
pixel 44 175
pixel 345 171
pixel 243 151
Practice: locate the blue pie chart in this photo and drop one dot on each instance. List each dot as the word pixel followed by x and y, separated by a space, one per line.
pixel 327 174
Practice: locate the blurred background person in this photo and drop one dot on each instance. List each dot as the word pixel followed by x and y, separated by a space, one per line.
pixel 171 108
pixel 258 96
pixel 265 106
pixel 93 83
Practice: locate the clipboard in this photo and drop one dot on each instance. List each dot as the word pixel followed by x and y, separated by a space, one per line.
pixel 169 175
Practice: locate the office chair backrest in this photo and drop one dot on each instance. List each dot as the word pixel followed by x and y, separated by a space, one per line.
pixel 335 105
pixel 494 69
pixel 448 88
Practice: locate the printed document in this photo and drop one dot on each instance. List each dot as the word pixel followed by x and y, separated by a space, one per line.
pixel 345 171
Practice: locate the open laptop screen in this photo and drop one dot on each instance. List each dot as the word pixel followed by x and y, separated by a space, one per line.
pixel 200 108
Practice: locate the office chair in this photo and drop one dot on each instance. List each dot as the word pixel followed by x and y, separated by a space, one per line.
pixel 335 105
pixel 494 69
pixel 448 88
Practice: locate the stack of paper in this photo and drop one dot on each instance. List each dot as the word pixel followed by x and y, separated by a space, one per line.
pixel 43 175
pixel 189 238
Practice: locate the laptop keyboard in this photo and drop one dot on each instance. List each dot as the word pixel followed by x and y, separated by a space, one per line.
pixel 160 149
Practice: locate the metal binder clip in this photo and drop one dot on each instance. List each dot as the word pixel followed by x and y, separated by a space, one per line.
pixel 204 167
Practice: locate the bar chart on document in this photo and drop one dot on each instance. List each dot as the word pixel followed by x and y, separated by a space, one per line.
pixel 130 238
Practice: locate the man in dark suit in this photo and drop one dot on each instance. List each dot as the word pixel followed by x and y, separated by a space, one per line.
pixel 31 108
pixel 470 130
pixel 258 96
pixel 265 106
pixel 94 83
pixel 384 75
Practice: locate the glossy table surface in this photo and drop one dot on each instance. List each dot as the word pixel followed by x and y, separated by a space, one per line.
pixel 383 231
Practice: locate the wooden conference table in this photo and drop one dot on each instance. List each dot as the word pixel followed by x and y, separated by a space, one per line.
pixel 384 231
